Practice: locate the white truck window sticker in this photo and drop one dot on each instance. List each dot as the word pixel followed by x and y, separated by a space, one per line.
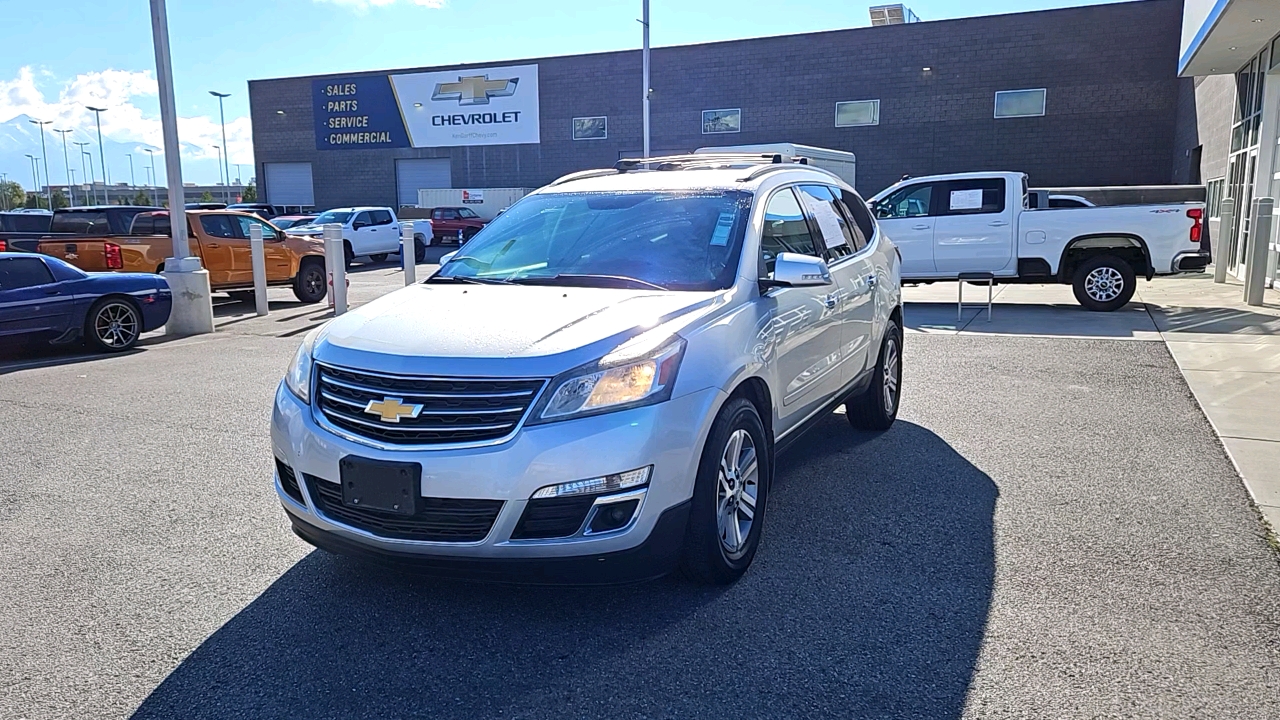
pixel 829 225
pixel 720 237
pixel 966 199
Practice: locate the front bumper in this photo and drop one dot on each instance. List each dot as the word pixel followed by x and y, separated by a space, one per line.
pixel 668 436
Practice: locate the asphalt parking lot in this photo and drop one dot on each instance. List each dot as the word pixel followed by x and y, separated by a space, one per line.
pixel 1052 529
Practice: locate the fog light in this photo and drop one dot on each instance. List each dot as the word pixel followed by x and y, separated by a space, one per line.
pixel 608 483
pixel 613 516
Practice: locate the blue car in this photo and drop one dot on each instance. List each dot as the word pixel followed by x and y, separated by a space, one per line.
pixel 45 299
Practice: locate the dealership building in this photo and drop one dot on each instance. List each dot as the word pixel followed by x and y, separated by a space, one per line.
pixel 1076 96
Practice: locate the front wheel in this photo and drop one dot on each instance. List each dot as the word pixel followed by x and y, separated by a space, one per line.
pixel 309 284
pixel 1104 283
pixel 378 257
pixel 348 254
pixel 419 249
pixel 877 407
pixel 113 325
pixel 727 513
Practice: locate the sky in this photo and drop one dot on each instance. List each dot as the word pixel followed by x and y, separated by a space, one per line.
pixel 60 57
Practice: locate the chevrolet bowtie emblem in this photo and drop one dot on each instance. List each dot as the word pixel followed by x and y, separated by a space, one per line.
pixel 392 409
pixel 475 90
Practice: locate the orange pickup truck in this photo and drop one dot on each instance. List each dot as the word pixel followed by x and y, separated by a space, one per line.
pixel 219 237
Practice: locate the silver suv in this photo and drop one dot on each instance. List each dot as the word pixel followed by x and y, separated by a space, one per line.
pixel 596 386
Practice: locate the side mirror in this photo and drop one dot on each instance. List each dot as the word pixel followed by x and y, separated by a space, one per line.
pixel 796 270
pixel 445 258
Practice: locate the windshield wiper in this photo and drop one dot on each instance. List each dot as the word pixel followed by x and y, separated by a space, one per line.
pixel 608 281
pixel 467 280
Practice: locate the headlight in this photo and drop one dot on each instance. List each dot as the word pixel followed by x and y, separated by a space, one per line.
pixel 613 384
pixel 298 379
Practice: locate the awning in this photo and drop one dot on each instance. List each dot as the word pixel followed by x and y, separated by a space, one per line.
pixel 1220 36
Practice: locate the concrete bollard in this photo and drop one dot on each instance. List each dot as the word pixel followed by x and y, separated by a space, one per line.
pixel 335 262
pixel 258 256
pixel 1255 267
pixel 408 253
pixel 1220 259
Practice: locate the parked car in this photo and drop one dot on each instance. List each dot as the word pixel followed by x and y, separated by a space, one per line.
pixel 597 386
pixel 47 300
pixel 73 221
pixel 284 222
pixel 205 206
pixel 948 225
pixel 372 232
pixel 262 210
pixel 219 237
pixel 455 224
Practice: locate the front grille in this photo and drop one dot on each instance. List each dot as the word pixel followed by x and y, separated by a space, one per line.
pixel 545 518
pixel 436 519
pixel 289 481
pixel 454 410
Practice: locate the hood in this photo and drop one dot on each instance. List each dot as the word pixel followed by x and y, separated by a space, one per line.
pixel 484 323
pixel 303 231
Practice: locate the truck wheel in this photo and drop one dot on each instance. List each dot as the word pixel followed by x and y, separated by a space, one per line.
pixel 468 234
pixel 242 296
pixel 727 513
pixel 113 325
pixel 309 284
pixel 877 407
pixel 1104 283
pixel 348 255
pixel 378 257
pixel 419 249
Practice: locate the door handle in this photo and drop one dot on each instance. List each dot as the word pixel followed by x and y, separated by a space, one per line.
pixel 998 223
pixel 52 291
pixel 921 227
pixel 214 245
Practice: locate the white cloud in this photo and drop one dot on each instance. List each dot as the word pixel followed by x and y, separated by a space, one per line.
pixel 364 5
pixel 123 121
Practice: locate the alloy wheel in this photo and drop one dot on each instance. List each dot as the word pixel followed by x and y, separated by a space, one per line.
pixel 1104 284
pixel 116 325
pixel 737 489
pixel 892 363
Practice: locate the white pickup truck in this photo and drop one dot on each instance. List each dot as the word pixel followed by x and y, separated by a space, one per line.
pixel 372 232
pixel 961 226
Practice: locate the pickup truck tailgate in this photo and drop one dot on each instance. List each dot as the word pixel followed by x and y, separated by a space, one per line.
pixel 88 255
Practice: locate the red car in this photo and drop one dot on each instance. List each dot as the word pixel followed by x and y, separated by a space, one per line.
pixel 455 224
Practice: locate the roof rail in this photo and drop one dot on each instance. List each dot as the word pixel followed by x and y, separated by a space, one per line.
pixel 582 175
pixel 702 161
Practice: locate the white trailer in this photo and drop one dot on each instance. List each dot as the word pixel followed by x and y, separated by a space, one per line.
pixel 486 202
pixel 843 164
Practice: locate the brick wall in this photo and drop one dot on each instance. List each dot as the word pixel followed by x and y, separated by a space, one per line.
pixel 1109 71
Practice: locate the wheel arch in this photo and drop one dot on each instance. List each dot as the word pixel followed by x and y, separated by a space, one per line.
pixel 1132 248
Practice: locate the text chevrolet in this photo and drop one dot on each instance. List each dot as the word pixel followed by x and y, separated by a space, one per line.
pixel 596 387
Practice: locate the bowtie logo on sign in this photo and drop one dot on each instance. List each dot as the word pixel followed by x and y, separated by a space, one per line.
pixel 475 90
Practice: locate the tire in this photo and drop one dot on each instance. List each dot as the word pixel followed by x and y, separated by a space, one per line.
pixel 113 325
pixel 243 296
pixel 876 408
pixel 379 257
pixel 348 255
pixel 419 249
pixel 1104 283
pixel 727 513
pixel 468 234
pixel 310 284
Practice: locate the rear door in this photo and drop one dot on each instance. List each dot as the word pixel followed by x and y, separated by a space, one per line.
pixel 225 253
pixel 973 231
pixel 31 301
pixel 906 217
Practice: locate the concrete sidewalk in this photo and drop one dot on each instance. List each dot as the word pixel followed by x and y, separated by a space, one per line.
pixel 1228 352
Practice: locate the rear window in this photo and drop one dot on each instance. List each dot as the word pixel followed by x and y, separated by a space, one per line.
pixel 81 222
pixel 25 223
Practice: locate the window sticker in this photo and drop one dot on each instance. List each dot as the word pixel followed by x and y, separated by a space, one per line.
pixel 724 224
pixel 966 199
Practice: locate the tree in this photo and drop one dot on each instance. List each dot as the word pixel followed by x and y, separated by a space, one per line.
pixel 12 195
pixel 36 200
pixel 60 200
pixel 141 199
pixel 250 193
pixel 206 196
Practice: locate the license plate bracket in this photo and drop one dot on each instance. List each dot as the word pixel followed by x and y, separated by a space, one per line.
pixel 382 485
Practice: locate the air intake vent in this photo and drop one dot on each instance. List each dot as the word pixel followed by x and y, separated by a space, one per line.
pixel 892 15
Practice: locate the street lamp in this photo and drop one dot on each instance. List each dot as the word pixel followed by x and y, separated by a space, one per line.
pixel 93 180
pixel 132 184
pixel 85 171
pixel 35 176
pixel 67 164
pixel 223 117
pixel 154 182
pixel 4 190
pixel 44 152
pixel 220 180
pixel 102 153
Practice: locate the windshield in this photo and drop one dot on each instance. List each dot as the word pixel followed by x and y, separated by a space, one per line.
pixel 675 241
pixel 467 213
pixel 333 216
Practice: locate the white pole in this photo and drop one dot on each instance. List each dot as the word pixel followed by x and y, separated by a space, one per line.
pixel 1255 268
pixel 408 253
pixel 335 261
pixel 258 255
pixel 645 52
pixel 192 300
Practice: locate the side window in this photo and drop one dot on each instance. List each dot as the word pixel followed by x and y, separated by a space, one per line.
pixel 362 220
pixel 218 226
pixel 864 225
pixel 833 227
pixel 910 201
pixel 437 214
pixel 17 273
pixel 268 232
pixel 450 215
pixel 972 197
pixel 144 224
pixel 381 217
pixel 785 230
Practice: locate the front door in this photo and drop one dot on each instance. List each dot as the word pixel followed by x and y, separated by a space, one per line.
pixel 31 301
pixel 973 230
pixel 220 245
pixel 273 250
pixel 906 218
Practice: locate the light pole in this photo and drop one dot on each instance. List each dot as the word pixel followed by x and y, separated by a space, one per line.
pixel 645 73
pixel 92 177
pixel 239 180
pixel 154 181
pixel 102 153
pixel 84 171
pixel 71 177
pixel 71 194
pixel 132 184
pixel 4 185
pixel 226 170
pixel 44 152
pixel 35 176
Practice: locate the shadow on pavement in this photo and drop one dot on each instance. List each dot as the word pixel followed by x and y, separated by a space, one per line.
pixel 1215 320
pixel 868 599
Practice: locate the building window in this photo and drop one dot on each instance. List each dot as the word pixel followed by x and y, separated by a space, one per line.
pixel 591 128
pixel 857 112
pixel 1213 199
pixel 728 120
pixel 1020 103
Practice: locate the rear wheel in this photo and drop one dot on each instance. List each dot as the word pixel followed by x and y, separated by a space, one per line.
pixel 877 407
pixel 378 257
pixel 309 284
pixel 729 497
pixel 419 248
pixel 113 325
pixel 243 296
pixel 1104 283
pixel 348 254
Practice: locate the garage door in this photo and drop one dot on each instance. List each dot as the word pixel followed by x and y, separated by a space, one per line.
pixel 413 175
pixel 290 184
